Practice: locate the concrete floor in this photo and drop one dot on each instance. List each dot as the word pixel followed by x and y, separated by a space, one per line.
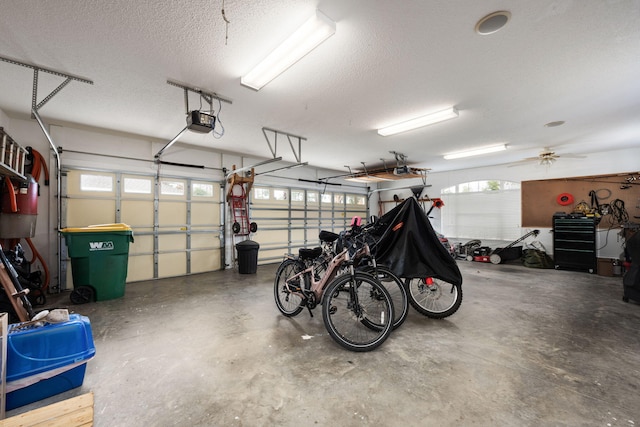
pixel 527 348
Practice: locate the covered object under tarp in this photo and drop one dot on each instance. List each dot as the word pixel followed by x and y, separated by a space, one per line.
pixel 408 244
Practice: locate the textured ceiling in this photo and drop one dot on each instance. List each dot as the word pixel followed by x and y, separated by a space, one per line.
pixel 577 61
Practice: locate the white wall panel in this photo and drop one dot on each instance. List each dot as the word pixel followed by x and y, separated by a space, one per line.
pixel 484 215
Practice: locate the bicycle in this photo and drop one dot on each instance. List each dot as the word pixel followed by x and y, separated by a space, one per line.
pixel 356 239
pixel 431 297
pixel 356 309
pixel 434 298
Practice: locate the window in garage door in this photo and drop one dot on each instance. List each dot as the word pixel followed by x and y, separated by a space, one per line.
pixel 291 218
pixel 176 223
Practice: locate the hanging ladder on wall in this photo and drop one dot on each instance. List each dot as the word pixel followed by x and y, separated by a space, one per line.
pixel 12 156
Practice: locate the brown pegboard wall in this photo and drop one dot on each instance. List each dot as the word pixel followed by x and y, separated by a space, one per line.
pixel 540 198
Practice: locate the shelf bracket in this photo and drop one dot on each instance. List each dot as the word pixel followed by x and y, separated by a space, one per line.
pixel 35 105
pixel 274 148
pixel 207 96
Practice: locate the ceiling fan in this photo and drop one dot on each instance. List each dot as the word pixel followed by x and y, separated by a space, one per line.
pixel 546 157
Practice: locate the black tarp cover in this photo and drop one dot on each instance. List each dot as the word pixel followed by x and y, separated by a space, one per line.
pixel 409 246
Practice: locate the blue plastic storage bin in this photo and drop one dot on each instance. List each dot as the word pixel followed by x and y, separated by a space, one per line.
pixel 47 360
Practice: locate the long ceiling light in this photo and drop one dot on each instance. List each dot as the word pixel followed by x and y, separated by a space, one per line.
pixel 476 151
pixel 418 122
pixel 302 41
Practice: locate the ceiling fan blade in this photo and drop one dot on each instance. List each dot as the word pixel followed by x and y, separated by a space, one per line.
pixel 573 156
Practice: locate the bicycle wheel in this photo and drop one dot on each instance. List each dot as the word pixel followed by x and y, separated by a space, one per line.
pixel 357 312
pixel 396 289
pixel 288 303
pixel 434 298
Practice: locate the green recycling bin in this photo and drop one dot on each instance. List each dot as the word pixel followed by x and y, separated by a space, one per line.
pixel 99 260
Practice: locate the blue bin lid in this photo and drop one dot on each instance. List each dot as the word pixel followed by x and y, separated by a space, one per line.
pixel 34 350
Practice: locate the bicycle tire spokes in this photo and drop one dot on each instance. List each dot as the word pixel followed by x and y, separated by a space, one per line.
pixel 358 312
pixel 289 303
pixel 434 298
pixel 396 289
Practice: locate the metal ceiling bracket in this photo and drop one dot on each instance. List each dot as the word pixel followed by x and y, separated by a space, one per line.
pixel 35 105
pixel 364 166
pixel 207 96
pixel 274 147
pixel 48 97
pixel 423 172
pixel 401 159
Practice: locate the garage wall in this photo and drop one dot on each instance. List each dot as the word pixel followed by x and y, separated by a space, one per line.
pixel 140 151
pixel 90 149
pixel 606 162
pixel 540 197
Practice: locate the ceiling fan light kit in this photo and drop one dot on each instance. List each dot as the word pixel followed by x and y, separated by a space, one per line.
pixel 547 161
pixel 306 38
pixel 418 122
pixel 476 151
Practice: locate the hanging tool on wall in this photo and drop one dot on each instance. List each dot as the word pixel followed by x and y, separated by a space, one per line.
pixel 238 192
pixel 18 215
pixel 18 303
pixel 238 198
pixel 596 207
pixel 36 165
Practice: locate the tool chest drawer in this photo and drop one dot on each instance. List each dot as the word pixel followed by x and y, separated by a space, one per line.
pixel 574 242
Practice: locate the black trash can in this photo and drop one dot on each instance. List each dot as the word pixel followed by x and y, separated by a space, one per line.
pixel 247 256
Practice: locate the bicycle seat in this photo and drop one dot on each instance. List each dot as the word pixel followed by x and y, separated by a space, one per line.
pixel 328 236
pixel 307 253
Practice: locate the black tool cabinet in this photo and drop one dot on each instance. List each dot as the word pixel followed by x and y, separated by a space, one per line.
pixel 574 242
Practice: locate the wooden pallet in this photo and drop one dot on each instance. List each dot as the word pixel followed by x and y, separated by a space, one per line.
pixel 74 412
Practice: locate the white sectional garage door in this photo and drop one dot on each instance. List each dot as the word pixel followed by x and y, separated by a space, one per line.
pixel 291 218
pixel 175 220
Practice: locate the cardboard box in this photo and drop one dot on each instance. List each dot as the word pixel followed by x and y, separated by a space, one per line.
pixel 605 267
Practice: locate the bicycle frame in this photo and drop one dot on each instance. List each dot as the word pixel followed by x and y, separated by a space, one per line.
pixel 357 309
pixel 318 286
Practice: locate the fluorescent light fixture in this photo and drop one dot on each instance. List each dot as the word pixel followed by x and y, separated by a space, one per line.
pixel 476 151
pixel 304 40
pixel 418 122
